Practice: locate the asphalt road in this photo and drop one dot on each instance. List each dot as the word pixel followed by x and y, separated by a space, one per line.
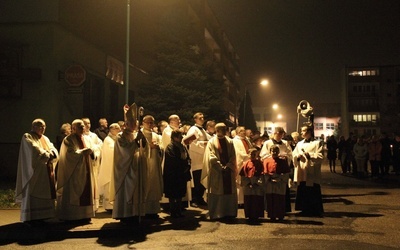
pixel 359 214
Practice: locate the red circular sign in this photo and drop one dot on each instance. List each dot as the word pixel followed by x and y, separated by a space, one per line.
pixel 75 75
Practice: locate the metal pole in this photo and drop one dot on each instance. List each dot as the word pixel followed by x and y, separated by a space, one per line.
pixel 128 14
pixel 244 106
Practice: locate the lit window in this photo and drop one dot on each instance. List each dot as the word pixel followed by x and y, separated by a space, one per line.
pixel 319 126
pixel 330 126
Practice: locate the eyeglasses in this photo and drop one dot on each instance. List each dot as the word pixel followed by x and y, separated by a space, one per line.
pixel 149 122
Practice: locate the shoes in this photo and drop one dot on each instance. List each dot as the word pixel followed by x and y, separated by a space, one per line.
pixel 152 216
pixel 35 223
pixel 194 204
pixel 177 215
pixel 130 220
pixel 202 203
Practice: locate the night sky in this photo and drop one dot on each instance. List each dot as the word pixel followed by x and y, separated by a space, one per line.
pixel 302 46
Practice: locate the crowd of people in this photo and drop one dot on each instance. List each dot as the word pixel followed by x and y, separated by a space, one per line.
pixel 365 156
pixel 136 170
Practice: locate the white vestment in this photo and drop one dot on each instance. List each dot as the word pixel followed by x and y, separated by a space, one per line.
pixel 75 175
pixel 241 157
pixel 106 171
pixel 129 193
pixel 152 179
pixel 310 170
pixel 221 202
pixel 33 182
pixel 96 145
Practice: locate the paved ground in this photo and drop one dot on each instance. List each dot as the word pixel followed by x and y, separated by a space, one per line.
pixel 11 230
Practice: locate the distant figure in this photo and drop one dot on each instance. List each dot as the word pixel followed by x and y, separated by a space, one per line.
pixel 332 146
pixel 374 155
pixel 219 175
pixel 210 128
pixel 342 153
pixel 396 153
pixel 360 150
pixel 102 130
pixel 35 188
pixel 386 154
pixel 106 171
pixel 174 123
pixel 65 130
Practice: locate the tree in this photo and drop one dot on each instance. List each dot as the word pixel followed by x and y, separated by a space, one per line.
pixel 249 122
pixel 182 79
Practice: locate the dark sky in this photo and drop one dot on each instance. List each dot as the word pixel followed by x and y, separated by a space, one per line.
pixel 302 46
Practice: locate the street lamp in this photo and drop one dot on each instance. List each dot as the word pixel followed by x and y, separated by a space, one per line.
pixel 128 21
pixel 263 83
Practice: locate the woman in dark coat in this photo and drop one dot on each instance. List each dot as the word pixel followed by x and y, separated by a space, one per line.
pixel 332 146
pixel 176 173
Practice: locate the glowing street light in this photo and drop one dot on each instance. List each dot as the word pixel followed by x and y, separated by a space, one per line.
pixel 263 83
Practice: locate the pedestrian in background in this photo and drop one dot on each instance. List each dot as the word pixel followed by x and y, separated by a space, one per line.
pixel 332 146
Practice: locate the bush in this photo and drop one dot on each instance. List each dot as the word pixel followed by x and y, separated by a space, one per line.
pixel 7 199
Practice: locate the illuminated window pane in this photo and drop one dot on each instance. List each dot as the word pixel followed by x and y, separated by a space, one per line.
pixel 330 126
pixel 319 126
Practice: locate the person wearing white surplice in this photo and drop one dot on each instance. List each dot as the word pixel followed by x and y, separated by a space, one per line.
pixel 242 147
pixel 127 201
pixel 285 151
pixel 35 188
pixel 75 182
pixel 96 145
pixel 106 170
pixel 151 162
pixel 197 139
pixel 307 160
pixel 219 175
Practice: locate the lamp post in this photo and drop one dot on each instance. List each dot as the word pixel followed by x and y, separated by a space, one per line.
pixel 128 21
pixel 263 83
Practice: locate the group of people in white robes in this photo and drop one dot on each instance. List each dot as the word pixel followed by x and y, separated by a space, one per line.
pixel 127 168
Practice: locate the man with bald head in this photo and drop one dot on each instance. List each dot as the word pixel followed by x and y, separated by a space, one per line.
pixel 75 182
pixel 35 188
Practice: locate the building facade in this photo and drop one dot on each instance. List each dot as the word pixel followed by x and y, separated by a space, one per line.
pixel 65 59
pixel 373 99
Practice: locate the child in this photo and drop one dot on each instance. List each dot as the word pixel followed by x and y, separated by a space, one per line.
pixel 276 179
pixel 252 181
